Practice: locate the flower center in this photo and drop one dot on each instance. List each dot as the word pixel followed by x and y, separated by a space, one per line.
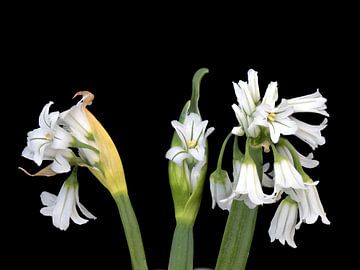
pixel 271 116
pixel 192 144
pixel 49 136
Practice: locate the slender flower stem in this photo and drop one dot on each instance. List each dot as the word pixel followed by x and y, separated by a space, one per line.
pixel 132 231
pixel 219 163
pixel 182 247
pixel 237 238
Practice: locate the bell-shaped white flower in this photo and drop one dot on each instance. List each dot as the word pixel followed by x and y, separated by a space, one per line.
pixel 248 182
pixel 311 134
pixel 221 189
pixel 314 103
pixel 247 93
pixel 310 206
pixel 192 134
pixel 62 208
pixel 286 176
pixel 283 224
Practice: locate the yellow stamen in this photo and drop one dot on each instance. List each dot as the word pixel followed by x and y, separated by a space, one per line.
pixel 192 144
pixel 271 117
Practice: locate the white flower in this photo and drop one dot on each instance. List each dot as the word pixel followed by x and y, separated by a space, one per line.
pixel 305 161
pixel 275 118
pixel 248 94
pixel 311 134
pixel 310 206
pixel 286 176
pixel 248 183
pixel 282 226
pixel 63 206
pixel 221 189
pixel 192 134
pixel 314 103
pixel 49 142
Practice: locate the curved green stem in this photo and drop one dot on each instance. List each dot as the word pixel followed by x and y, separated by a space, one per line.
pixel 132 231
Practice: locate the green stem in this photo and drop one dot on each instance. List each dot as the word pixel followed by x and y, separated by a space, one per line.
pixel 182 247
pixel 132 231
pixel 237 238
pixel 219 163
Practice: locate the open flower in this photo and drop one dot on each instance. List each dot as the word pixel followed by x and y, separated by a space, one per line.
pixel 283 224
pixel 62 208
pixel 275 118
pixel 314 103
pixel 311 134
pixel 40 140
pixel 192 134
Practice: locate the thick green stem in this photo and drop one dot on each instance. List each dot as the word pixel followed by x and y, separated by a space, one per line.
pixel 237 238
pixel 132 231
pixel 182 247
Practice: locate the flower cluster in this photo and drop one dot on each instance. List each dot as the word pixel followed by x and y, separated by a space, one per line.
pixel 264 123
pixel 65 139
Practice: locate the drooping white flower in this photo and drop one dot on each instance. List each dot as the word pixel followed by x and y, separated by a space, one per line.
pixel 192 134
pixel 311 134
pixel 310 206
pixel 305 161
pixel 248 183
pixel 62 208
pixel 283 224
pixel 314 103
pixel 286 176
pixel 221 189
pixel 247 93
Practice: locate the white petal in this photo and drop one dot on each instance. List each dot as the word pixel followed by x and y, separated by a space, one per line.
pixel 47 120
pixel 271 95
pixel 47 198
pixel 253 85
pixel 310 134
pixel 181 131
pixel 62 138
pixel 76 218
pixel 82 207
pixel 60 164
pixel 198 153
pixel 47 210
pixel 195 173
pixel 177 154
pixel 314 103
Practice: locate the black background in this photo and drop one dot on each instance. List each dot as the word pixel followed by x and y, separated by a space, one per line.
pixel 139 66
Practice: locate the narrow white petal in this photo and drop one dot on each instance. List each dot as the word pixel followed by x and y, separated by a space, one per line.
pixel 81 207
pixel 76 218
pixel 177 154
pixel 47 211
pixel 271 95
pixel 237 131
pixel 47 198
pixel 253 85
